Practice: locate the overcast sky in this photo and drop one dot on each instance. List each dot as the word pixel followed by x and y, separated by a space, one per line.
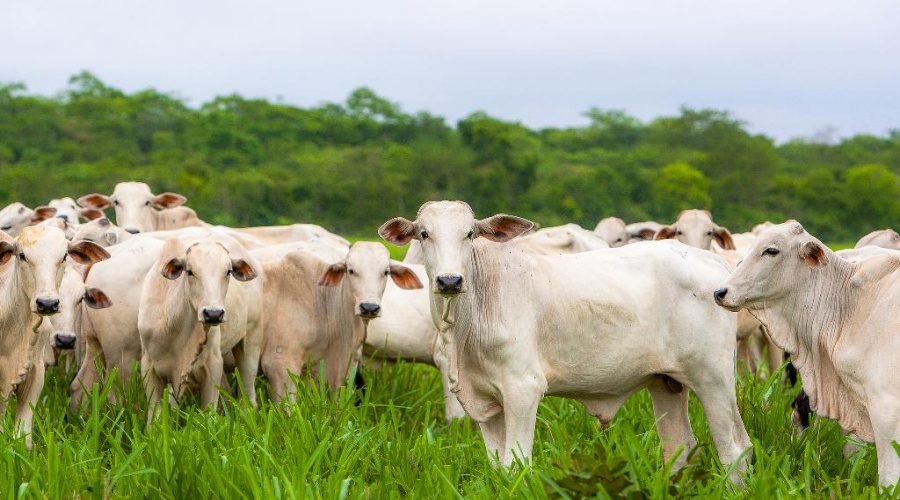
pixel 788 68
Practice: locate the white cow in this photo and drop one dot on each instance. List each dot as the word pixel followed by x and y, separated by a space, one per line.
pixel 69 211
pixel 884 238
pixel 558 240
pixel 16 216
pixel 838 320
pixel 595 326
pixel 613 230
pixel 138 210
pixel 63 330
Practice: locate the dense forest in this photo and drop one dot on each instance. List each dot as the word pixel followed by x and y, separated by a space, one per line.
pixel 350 166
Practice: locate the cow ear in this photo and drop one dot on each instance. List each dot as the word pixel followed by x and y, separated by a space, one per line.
pixel 398 231
pixel 644 234
pixel 666 233
pixel 42 214
pixel 814 254
pixel 96 200
pixel 90 214
pixel 168 200
pixel 502 228
pixel 333 274
pixel 173 269
pixel 242 271
pixel 96 299
pixel 723 238
pixel 86 252
pixel 7 251
pixel 404 277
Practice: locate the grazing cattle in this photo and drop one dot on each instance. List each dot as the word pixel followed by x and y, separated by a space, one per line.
pixel 31 270
pixel 837 319
pixel 642 231
pixel 191 313
pixel 558 240
pixel 517 327
pixel 884 238
pixel 697 229
pixel 405 331
pixel 613 231
pixel 63 330
pixel 136 208
pixel 319 310
pixel 16 216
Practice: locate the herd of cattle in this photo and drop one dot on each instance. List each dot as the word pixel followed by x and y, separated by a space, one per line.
pixel 508 313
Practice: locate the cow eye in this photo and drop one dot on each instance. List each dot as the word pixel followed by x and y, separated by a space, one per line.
pixel 678 232
pixel 115 202
pixel 6 228
pixel 22 256
pixel 65 256
pixel 351 271
pixel 471 234
pixel 147 203
pixel 424 235
pixel 771 251
pixel 387 273
pixel 709 233
pixel 618 240
pixel 190 273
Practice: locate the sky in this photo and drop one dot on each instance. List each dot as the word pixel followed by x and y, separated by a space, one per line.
pixel 787 68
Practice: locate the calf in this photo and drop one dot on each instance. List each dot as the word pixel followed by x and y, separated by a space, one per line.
pixel 837 319
pixel 594 326
pixel 191 314
pixel 31 270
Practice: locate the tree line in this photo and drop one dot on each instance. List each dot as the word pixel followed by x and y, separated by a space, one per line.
pixel 350 166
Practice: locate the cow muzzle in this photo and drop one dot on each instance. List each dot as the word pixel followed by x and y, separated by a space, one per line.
pixel 46 306
pixel 64 341
pixel 449 284
pixel 212 316
pixel 720 295
pixel 369 310
pixel 132 230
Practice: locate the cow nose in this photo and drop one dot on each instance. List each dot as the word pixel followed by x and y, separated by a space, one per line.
pixel 64 341
pixel 132 230
pixel 47 306
pixel 213 316
pixel 369 309
pixel 64 217
pixel 449 283
pixel 720 294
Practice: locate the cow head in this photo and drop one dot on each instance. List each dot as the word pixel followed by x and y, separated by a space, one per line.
pixel 884 238
pixel 72 294
pixel 99 231
pixel 612 229
pixel 784 257
pixel 367 268
pixel 17 216
pixel 134 204
pixel 39 254
pixel 447 230
pixel 696 228
pixel 69 211
pixel 208 267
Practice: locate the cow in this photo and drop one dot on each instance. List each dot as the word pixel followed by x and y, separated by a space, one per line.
pixel 642 231
pixel 69 211
pixel 16 216
pixel 199 302
pixel 138 210
pixel 63 330
pixel 594 326
pixel 102 232
pixel 319 311
pixel 32 267
pixel 884 238
pixel 837 319
pixel 277 235
pixel 405 331
pixel 697 229
pixel 613 230
pixel 558 240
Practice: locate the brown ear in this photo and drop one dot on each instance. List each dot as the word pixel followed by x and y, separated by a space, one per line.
pixel 42 214
pixel 644 234
pixel 666 233
pixel 814 254
pixel 723 238
pixel 96 200
pixel 168 200
pixel 7 251
pixel 86 252
pixel 96 299
pixel 398 231
pixel 404 277
pixel 241 270
pixel 90 214
pixel 333 274
pixel 502 228
pixel 173 269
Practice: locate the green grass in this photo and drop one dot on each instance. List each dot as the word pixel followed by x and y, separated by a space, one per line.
pixel 395 444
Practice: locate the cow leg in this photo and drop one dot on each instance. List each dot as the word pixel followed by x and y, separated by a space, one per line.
pixel 774 353
pixel 28 393
pixel 886 426
pixel 672 422
pixel 520 414
pixel 209 396
pixel 87 375
pixel 278 374
pixel 716 392
pixel 493 431
pixel 246 360
pixel 155 388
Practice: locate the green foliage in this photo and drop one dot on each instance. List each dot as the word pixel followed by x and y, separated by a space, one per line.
pixel 350 166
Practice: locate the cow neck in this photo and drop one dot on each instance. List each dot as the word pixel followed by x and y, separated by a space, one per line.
pixel 808 325
pixel 17 321
pixel 185 334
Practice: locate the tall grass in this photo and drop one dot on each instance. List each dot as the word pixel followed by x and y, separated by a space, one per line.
pixel 395 444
